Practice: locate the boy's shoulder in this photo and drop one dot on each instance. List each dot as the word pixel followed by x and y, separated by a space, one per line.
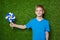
pixel 32 19
pixel 45 20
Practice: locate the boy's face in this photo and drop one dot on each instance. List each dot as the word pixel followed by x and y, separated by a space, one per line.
pixel 39 11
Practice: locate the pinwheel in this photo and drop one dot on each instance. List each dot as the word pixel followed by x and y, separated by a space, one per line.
pixel 10 17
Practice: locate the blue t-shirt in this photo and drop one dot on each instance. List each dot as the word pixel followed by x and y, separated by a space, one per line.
pixel 38 28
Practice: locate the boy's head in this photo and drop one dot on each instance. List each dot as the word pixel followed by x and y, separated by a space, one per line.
pixel 39 11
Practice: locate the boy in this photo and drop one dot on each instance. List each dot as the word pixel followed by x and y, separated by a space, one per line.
pixel 39 25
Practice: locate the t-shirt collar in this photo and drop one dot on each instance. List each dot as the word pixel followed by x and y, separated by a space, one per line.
pixel 39 19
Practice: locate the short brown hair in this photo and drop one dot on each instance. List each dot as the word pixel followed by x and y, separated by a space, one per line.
pixel 40 6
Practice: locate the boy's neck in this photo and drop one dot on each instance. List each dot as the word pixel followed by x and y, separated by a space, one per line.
pixel 39 18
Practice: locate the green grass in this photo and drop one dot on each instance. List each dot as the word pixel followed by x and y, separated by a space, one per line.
pixel 24 11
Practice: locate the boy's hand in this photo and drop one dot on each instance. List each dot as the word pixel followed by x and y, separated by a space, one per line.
pixel 12 24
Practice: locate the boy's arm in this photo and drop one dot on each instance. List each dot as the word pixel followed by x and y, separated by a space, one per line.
pixel 17 26
pixel 47 35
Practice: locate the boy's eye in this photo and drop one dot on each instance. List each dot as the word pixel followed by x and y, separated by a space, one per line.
pixel 38 10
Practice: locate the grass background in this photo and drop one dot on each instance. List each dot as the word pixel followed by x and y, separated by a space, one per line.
pixel 24 11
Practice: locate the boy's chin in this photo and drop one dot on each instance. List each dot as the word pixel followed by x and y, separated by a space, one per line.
pixel 39 16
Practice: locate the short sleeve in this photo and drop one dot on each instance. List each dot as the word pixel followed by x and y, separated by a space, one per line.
pixel 29 24
pixel 47 27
